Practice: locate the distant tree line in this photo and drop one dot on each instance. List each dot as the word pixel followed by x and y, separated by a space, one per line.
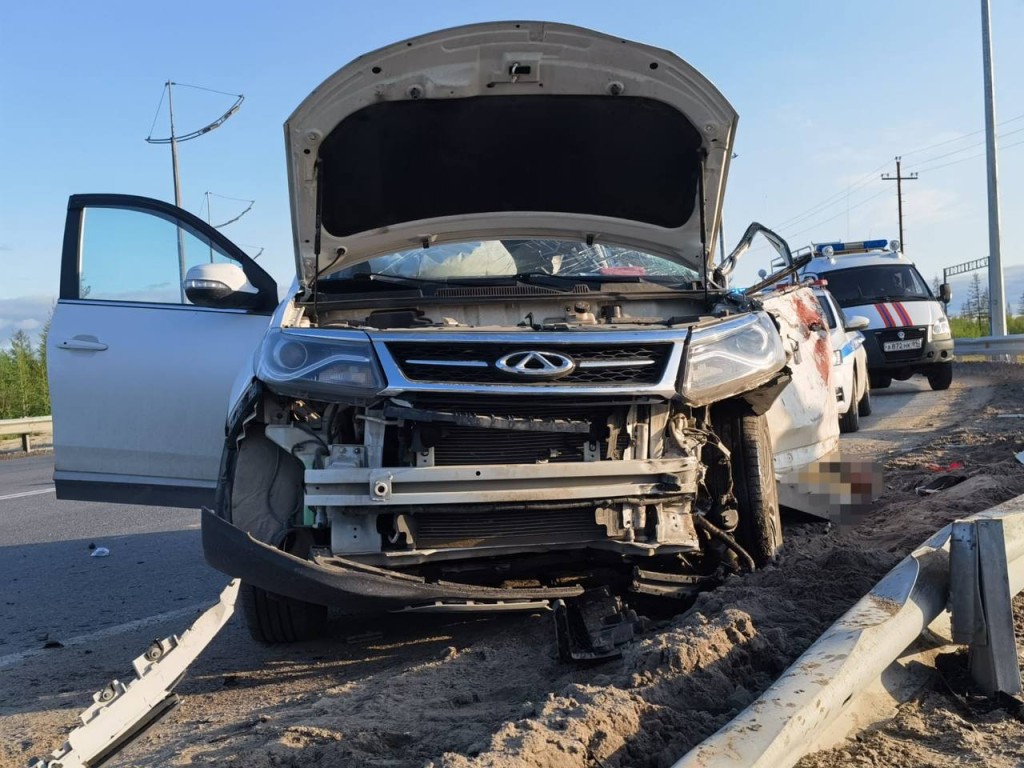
pixel 973 319
pixel 23 388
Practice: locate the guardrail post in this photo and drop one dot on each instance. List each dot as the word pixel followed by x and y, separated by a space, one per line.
pixel 26 442
pixel 980 601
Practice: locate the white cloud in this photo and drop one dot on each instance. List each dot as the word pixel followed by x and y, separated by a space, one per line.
pixel 24 313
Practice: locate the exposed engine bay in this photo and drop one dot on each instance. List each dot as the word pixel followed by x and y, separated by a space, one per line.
pixel 522 463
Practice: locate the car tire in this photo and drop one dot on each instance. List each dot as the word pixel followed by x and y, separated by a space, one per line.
pixel 753 476
pixel 941 376
pixel 850 421
pixel 864 404
pixel 265 487
pixel 275 619
pixel 879 380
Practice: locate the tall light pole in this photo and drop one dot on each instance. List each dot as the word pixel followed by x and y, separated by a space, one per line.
pixel 996 288
pixel 177 191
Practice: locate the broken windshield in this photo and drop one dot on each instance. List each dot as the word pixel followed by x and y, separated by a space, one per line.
pixel 513 258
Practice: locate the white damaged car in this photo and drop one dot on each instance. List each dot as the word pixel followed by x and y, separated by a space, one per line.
pixel 509 368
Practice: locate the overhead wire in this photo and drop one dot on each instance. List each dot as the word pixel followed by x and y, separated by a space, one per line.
pixel 211 90
pixel 833 199
pixel 860 183
pixel 958 138
pixel 157 115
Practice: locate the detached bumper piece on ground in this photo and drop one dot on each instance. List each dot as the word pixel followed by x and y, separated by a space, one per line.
pixel 120 711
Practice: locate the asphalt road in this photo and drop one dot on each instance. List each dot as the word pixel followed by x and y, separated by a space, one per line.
pixel 55 590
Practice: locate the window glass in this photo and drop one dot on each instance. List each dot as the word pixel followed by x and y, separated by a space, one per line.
pixel 131 255
pixel 494 258
pixel 869 285
pixel 826 309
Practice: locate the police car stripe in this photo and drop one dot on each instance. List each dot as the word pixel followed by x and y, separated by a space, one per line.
pixel 850 347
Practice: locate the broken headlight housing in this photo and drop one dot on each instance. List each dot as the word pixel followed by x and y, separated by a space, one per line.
pixel 731 357
pixel 319 366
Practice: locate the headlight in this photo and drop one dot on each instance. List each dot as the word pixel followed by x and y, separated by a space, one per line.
pixel 318 365
pixel 837 357
pixel 941 326
pixel 731 357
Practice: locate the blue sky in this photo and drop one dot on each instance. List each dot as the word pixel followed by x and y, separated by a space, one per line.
pixel 828 94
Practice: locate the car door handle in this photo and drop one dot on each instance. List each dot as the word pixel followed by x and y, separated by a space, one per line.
pixel 90 343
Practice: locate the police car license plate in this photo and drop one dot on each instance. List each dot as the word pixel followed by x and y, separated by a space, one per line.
pixel 900 346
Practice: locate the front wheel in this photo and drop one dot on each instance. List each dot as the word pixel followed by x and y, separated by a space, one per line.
pixel 879 380
pixel 941 377
pixel 753 476
pixel 275 619
pixel 864 404
pixel 850 421
pixel 263 491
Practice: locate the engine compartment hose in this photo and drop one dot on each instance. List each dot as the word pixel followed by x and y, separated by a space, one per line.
pixel 717 533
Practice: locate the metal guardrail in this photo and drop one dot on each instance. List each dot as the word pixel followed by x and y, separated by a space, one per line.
pixel 33 425
pixel 990 345
pixel 798 711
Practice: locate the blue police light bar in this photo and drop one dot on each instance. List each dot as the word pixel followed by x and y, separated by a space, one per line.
pixel 864 245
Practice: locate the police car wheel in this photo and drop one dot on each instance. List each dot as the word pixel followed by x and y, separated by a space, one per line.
pixel 849 421
pixel 864 404
pixel 941 376
pixel 753 477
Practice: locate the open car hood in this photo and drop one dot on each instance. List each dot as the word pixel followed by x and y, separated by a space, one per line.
pixel 525 129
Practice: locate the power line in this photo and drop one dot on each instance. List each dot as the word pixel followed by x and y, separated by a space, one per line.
pixel 832 200
pixel 837 197
pixel 958 138
pixel 841 213
pixel 964 149
pixel 157 115
pixel 211 90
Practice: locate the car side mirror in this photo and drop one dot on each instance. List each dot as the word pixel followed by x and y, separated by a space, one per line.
pixel 220 286
pixel 946 293
pixel 857 323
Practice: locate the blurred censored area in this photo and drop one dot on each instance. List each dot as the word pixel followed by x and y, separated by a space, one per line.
pixel 843 489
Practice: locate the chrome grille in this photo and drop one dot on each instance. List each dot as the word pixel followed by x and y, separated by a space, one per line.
pixel 474 363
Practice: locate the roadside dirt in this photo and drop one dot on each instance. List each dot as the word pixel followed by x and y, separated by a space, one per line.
pixel 490 693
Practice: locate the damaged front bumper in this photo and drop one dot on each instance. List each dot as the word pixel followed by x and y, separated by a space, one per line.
pixel 632 507
pixel 338 582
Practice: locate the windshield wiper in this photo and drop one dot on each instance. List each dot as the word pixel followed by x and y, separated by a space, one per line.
pixel 375 277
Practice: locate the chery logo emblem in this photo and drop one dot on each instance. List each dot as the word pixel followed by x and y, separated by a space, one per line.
pixel 536 365
pixel 901 335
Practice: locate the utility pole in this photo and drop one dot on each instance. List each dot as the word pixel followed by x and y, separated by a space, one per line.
pixel 174 141
pixel 996 288
pixel 177 192
pixel 899 178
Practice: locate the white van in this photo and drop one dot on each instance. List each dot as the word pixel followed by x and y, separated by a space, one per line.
pixel 908 330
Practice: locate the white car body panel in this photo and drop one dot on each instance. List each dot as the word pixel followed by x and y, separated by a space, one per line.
pixel 473 62
pixel 150 407
pixel 803 421
pixel 850 347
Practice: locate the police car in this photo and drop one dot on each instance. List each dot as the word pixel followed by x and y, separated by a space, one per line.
pixel 849 360
pixel 908 331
